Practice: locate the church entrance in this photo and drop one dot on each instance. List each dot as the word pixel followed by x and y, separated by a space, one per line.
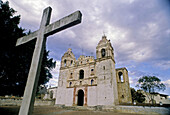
pixel 80 98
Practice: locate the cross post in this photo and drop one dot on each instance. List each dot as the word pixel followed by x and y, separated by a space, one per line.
pixel 45 30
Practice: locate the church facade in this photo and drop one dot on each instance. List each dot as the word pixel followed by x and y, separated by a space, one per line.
pixel 90 82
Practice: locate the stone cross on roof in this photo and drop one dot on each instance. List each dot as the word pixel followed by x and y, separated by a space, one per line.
pixel 45 30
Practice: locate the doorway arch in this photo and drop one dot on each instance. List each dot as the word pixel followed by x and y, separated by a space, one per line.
pixel 80 100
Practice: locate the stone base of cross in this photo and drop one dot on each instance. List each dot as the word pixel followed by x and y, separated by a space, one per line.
pixel 45 30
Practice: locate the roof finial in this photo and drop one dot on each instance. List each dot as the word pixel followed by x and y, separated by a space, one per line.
pixel 103 33
pixel 69 45
pixel 69 48
pixel 104 36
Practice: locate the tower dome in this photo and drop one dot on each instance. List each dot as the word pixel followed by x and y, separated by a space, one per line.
pixel 104 49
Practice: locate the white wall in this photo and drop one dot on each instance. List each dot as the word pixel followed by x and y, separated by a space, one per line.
pixel 69 96
pixel 92 96
pixel 105 84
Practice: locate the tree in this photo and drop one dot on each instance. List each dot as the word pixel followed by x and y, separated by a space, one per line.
pixel 15 61
pixel 150 84
pixel 137 96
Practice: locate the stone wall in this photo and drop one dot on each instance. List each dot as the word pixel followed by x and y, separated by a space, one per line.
pixel 124 92
pixel 143 110
pixel 17 102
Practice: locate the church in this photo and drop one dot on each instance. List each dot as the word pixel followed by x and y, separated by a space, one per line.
pixel 91 82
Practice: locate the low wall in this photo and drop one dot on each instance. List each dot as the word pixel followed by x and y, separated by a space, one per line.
pixel 122 109
pixel 143 110
pixel 136 109
pixel 17 102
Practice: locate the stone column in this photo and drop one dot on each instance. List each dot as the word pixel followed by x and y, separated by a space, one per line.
pixel 74 96
pixel 85 96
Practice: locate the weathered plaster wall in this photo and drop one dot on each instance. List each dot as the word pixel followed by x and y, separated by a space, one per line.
pixel 17 102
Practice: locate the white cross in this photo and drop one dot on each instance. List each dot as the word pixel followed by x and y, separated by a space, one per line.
pixel 45 30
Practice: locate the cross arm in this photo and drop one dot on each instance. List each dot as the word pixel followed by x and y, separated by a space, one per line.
pixel 27 38
pixel 66 22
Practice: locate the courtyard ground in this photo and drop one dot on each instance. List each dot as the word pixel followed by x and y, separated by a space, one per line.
pixel 51 110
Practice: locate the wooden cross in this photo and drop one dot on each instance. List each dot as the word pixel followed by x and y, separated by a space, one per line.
pixel 45 30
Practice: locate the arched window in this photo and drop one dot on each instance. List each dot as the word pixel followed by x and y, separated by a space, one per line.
pixel 103 52
pixel 71 62
pixel 65 61
pixel 120 76
pixel 103 67
pixel 92 82
pixel 70 84
pixel 71 75
pixel 92 71
pixel 81 74
pixel 80 82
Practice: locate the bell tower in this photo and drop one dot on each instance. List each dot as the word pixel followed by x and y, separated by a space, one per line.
pixel 68 59
pixel 104 49
pixel 105 73
pixel 67 62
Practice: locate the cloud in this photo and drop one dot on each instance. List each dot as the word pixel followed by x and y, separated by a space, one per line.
pixel 130 80
pixel 55 71
pixel 163 64
pixel 167 83
pixel 53 82
pixel 134 27
pixel 144 30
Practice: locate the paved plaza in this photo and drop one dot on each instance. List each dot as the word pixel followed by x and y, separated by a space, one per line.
pixel 51 110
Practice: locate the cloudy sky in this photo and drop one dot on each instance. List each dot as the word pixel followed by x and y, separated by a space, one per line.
pixel 139 31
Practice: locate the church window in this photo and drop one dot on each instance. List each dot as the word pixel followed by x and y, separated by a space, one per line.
pixel 92 82
pixel 92 71
pixel 71 62
pixel 103 67
pixel 122 96
pixel 80 82
pixel 71 75
pixel 81 74
pixel 104 77
pixel 120 76
pixel 103 52
pixel 70 84
pixel 65 61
